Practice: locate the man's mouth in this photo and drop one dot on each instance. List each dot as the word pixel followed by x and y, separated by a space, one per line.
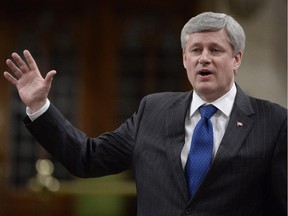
pixel 204 72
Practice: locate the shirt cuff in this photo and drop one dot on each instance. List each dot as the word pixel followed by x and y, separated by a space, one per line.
pixel 38 113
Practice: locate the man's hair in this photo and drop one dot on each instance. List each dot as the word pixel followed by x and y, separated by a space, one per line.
pixel 209 21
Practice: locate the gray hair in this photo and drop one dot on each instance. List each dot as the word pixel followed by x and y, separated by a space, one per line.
pixel 209 21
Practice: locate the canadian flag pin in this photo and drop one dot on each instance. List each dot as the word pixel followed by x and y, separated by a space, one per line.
pixel 239 124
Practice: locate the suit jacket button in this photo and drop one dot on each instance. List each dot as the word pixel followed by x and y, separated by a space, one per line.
pixel 188 211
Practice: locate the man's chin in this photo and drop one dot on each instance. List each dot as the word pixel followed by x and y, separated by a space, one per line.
pixel 207 93
pixel 205 88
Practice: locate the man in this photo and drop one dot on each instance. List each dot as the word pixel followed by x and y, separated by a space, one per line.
pixel 242 169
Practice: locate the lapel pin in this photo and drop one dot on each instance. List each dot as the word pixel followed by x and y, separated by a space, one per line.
pixel 239 124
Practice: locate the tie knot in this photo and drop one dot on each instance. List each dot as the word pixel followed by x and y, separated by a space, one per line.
pixel 207 111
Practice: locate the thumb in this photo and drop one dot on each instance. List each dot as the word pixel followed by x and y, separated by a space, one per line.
pixel 49 76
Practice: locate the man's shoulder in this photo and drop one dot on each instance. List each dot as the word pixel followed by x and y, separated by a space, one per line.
pixel 165 100
pixel 266 106
pixel 168 97
pixel 258 105
pixel 172 95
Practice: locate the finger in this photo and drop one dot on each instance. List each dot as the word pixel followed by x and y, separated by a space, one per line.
pixel 21 64
pixel 14 68
pixel 49 76
pixel 10 78
pixel 30 60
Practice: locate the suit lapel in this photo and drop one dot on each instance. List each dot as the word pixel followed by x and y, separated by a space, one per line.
pixel 239 125
pixel 175 139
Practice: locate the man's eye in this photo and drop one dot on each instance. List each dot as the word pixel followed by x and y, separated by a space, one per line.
pixel 196 50
pixel 216 51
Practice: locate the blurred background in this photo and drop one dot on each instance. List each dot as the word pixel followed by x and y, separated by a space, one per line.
pixel 108 55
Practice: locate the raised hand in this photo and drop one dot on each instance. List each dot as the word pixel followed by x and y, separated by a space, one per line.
pixel 33 89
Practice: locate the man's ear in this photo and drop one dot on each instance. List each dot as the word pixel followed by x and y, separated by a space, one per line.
pixel 237 60
pixel 184 59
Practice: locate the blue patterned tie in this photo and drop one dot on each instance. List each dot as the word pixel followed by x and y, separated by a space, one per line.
pixel 200 154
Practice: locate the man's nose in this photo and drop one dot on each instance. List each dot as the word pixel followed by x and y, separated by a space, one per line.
pixel 204 58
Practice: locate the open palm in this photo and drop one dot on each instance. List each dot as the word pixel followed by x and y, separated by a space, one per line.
pixel 33 89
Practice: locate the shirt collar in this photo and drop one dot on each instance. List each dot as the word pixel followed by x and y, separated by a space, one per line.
pixel 224 103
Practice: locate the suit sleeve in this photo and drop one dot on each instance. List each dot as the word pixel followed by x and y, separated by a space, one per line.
pixel 110 153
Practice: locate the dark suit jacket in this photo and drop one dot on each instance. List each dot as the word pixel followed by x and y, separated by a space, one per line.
pixel 247 177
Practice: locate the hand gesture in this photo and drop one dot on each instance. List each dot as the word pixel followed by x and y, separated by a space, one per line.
pixel 33 89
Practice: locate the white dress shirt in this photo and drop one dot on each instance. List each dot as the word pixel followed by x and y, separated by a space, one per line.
pixel 219 120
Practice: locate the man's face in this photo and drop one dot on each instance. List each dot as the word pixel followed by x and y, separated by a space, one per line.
pixel 210 63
